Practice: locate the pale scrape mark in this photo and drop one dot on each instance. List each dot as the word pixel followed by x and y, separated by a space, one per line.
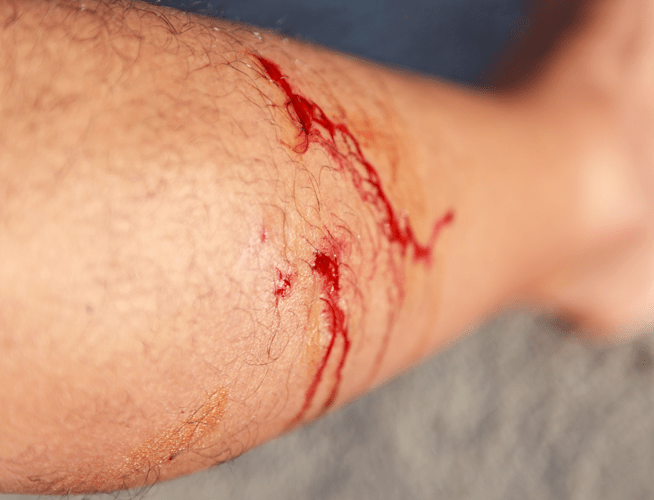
pixel 142 466
pixel 181 438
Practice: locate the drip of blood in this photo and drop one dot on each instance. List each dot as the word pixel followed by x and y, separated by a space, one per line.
pixel 315 127
pixel 326 266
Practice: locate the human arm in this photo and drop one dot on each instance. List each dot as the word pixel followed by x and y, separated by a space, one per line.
pixel 151 234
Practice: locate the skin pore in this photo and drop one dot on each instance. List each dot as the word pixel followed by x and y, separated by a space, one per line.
pixel 212 234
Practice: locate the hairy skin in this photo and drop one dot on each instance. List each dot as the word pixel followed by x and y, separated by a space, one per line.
pixel 153 154
pixel 212 234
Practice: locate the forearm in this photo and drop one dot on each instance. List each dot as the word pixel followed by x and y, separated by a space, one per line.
pixel 212 234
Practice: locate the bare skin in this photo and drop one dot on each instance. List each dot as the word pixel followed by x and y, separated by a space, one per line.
pixel 212 234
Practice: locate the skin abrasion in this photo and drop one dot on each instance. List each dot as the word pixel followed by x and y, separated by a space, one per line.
pixel 192 435
pixel 182 438
pixel 314 128
pixel 181 442
pixel 283 285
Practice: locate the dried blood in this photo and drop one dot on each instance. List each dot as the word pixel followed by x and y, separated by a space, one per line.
pixel 314 127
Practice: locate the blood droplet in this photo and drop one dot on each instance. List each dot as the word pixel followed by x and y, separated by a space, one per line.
pixel 314 127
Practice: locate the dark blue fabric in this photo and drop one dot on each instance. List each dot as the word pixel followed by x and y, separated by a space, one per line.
pixel 454 39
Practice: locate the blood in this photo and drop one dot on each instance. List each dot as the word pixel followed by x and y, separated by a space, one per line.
pixel 327 268
pixel 283 286
pixel 339 142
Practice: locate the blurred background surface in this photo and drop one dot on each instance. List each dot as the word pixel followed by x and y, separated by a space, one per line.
pixel 520 409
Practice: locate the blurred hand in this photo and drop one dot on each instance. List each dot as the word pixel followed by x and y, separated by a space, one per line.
pixel 598 91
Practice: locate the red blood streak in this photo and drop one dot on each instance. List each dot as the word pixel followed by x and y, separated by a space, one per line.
pixel 307 115
pixel 327 268
pixel 315 127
